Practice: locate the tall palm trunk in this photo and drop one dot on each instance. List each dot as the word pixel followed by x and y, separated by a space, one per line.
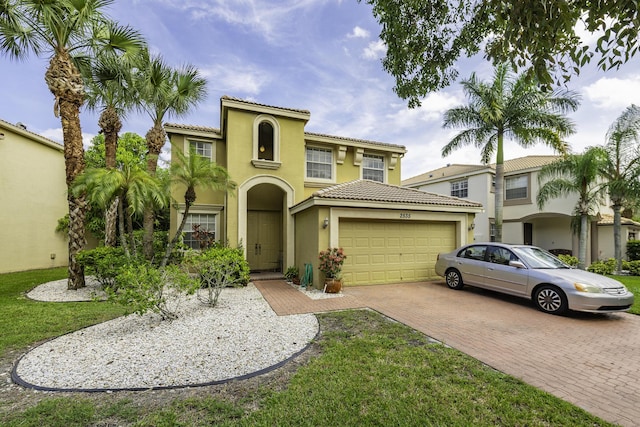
pixel 499 195
pixel 582 243
pixel 155 141
pixel 189 199
pixel 617 240
pixel 65 83
pixel 110 124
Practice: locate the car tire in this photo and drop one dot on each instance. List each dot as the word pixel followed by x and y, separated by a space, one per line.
pixel 453 279
pixel 550 299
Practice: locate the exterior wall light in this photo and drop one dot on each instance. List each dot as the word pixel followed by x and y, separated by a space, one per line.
pixel 472 226
pixel 325 223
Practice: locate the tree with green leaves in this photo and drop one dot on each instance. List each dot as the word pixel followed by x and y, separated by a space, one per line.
pixel 163 92
pixel 191 171
pixel 577 174
pixel 514 107
pixel 110 90
pixel 426 38
pixel 621 169
pixel 71 33
pixel 131 185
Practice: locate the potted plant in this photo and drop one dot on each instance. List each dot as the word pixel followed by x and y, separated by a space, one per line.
pixel 292 275
pixel 331 261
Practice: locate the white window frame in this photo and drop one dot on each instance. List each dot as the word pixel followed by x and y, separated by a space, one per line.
pixel 189 141
pixel 460 188
pixel 365 156
pixel 214 211
pixel 331 163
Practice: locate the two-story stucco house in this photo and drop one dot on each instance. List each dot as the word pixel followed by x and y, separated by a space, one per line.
pixel 523 222
pixel 300 192
pixel 33 196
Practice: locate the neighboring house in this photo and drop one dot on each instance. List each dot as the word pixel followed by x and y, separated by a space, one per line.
pixel 33 196
pixel 629 230
pixel 300 192
pixel 523 222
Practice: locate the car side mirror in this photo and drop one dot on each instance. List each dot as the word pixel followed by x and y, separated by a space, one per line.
pixel 517 264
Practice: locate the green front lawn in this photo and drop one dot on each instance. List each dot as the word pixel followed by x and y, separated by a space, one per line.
pixel 364 370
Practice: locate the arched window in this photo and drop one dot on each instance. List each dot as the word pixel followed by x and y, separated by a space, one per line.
pixel 265 141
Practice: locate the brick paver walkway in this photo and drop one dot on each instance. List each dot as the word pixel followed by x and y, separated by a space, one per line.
pixel 592 361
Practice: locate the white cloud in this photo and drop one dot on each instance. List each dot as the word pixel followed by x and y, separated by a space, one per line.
pixel 614 93
pixel 236 78
pixel 432 109
pixel 375 50
pixel 56 135
pixel 358 32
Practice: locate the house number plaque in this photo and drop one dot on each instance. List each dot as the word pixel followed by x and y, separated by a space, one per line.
pixel 405 215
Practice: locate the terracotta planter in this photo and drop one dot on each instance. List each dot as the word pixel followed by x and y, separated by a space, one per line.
pixel 332 286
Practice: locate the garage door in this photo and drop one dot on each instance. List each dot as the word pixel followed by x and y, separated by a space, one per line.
pixel 391 252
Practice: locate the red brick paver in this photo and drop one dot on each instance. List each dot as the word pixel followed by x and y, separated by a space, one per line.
pixel 592 361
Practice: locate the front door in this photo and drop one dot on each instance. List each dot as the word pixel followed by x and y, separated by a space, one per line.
pixel 264 240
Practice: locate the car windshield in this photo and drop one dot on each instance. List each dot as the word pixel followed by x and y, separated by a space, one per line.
pixel 539 258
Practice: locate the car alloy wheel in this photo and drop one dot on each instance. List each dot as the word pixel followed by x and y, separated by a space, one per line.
pixel 551 300
pixel 453 279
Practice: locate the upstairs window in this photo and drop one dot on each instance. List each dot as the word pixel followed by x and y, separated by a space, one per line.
pixel 265 141
pixel 516 187
pixel 203 149
pixel 373 167
pixel 319 163
pixel 460 188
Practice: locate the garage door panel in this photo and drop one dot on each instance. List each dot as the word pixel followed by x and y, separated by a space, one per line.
pixel 392 251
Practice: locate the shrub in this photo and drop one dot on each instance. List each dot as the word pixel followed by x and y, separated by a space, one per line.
pixel 291 273
pixel 143 287
pixel 633 250
pixel 104 263
pixel 569 260
pixel 218 268
pixel 603 267
pixel 632 266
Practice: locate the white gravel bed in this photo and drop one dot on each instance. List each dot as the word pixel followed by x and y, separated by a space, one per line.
pixel 315 293
pixel 239 336
pixel 57 291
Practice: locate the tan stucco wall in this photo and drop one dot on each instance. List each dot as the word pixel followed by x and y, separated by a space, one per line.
pixel 310 239
pixel 33 197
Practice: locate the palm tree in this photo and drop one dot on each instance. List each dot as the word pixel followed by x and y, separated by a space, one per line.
pixel 190 172
pixel 621 169
pixel 71 32
pixel 164 92
pixel 129 184
pixel 514 107
pixel 575 174
pixel 111 91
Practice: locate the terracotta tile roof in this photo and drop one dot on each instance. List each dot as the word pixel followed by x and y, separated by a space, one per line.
pixel 510 166
pixel 244 101
pixel 192 127
pixel 364 141
pixel 366 190
pixel 606 219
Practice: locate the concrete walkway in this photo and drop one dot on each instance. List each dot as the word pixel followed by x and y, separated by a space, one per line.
pixel 592 361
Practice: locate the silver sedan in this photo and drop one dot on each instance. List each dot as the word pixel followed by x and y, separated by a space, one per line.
pixel 532 273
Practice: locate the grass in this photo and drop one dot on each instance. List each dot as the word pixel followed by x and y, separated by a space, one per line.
pixel 366 370
pixel 24 322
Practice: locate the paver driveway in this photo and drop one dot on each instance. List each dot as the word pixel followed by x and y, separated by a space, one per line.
pixel 592 361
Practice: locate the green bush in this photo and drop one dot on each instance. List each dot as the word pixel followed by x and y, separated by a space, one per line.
pixel 104 263
pixel 160 241
pixel 569 260
pixel 142 287
pixel 218 268
pixel 632 266
pixel 291 273
pixel 603 267
pixel 633 250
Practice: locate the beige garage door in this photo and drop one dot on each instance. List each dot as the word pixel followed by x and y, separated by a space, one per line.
pixel 391 252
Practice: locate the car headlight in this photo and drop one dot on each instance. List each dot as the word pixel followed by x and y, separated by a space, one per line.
pixel 583 287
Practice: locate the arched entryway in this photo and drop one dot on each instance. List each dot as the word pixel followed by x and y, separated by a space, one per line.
pixel 265 224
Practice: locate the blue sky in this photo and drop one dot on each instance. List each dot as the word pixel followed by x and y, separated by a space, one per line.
pixel 320 55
